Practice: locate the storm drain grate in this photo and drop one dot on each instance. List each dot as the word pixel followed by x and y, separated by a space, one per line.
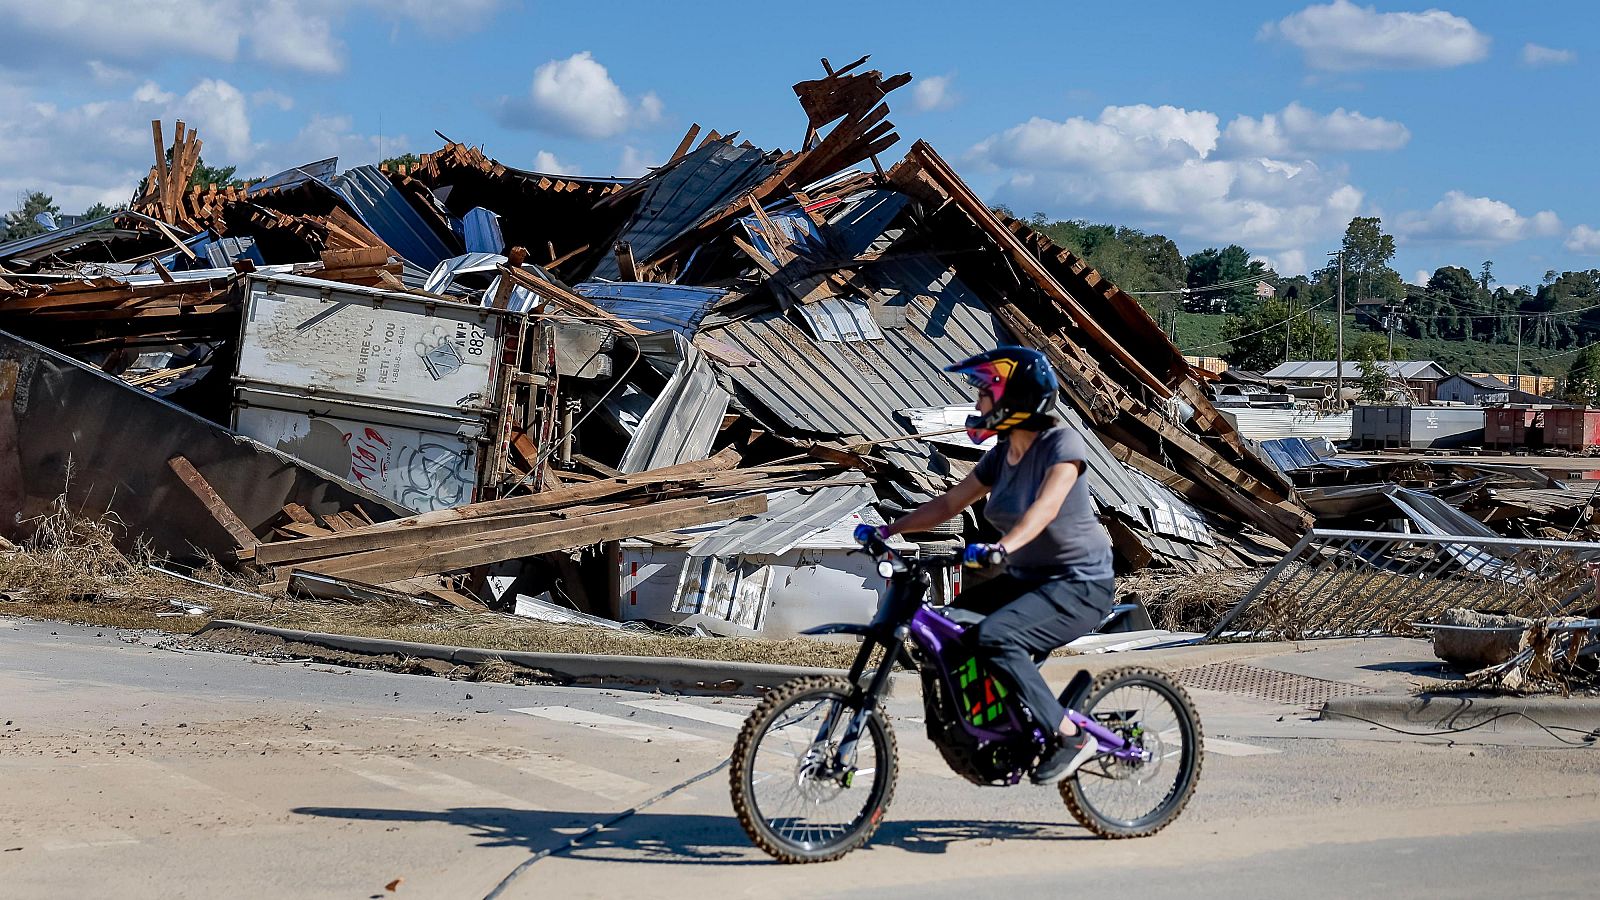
pixel 1254 681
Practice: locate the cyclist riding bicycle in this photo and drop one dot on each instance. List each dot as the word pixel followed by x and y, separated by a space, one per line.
pixel 1057 584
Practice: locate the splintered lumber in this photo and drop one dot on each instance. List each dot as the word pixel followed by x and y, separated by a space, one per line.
pixel 436 557
pixel 389 534
pixel 225 516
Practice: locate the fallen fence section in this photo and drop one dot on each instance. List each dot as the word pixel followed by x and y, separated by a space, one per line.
pixel 1352 583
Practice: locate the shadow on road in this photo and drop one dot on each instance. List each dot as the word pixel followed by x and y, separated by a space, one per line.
pixel 683 838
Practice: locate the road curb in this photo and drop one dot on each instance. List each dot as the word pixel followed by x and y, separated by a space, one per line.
pixel 1451 712
pixel 638 673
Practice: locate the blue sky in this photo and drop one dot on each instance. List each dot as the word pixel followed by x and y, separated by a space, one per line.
pixel 1466 127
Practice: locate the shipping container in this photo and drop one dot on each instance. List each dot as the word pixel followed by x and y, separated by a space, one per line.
pixel 1571 428
pixel 394 392
pixel 1507 428
pixel 1417 427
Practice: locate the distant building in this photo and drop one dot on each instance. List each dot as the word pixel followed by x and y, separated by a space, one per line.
pixel 1482 390
pixel 1542 385
pixel 1421 377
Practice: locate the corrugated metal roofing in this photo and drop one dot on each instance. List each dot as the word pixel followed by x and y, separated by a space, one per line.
pixel 653 307
pixel 386 211
pixel 480 231
pixel 791 517
pixel 681 195
pixel 1263 424
pixel 60 239
pixel 1289 454
pixel 322 170
pixel 868 381
pixel 837 319
pixel 224 252
pixel 683 422
pixel 1327 368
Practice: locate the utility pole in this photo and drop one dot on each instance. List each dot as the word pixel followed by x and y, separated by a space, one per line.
pixel 1516 377
pixel 1338 366
pixel 1288 323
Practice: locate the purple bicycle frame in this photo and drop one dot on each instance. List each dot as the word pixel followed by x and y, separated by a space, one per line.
pixel 935 633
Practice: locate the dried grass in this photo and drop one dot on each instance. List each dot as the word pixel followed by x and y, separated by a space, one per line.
pixel 71 569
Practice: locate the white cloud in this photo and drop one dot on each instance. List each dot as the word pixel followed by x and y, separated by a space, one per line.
pixel 933 92
pixel 220 110
pixel 1583 239
pixel 97 151
pixel 1298 130
pixel 544 161
pixel 283 34
pixel 141 34
pixel 1158 168
pixel 1342 36
pixel 1285 262
pixel 1480 220
pixel 634 163
pixel 269 97
pixel 1122 135
pixel 107 74
pixel 576 97
pixel 1421 276
pixel 1536 55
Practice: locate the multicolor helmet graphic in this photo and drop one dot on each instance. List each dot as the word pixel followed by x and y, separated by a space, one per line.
pixel 1017 380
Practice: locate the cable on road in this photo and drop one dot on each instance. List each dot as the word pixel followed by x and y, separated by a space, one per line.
pixel 598 827
pixel 1589 736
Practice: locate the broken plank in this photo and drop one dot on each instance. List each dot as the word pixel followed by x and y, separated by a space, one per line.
pixel 515 543
pixel 328 545
pixel 214 504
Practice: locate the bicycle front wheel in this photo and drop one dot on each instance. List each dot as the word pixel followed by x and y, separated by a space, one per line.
pixel 795 795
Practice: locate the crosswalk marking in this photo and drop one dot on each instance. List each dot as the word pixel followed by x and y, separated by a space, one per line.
pixel 577 775
pixel 1224 747
pixel 1233 748
pixel 689 711
pixel 445 790
pixel 636 731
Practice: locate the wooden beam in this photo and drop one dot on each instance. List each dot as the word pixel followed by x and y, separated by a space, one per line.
pixel 214 504
pixel 514 543
pixel 970 203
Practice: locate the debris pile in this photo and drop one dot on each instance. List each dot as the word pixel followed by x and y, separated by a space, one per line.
pixel 635 398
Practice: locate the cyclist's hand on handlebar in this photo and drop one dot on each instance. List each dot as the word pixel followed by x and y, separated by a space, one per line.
pixel 982 556
pixel 865 533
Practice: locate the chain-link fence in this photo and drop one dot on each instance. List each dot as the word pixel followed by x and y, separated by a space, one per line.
pixel 1349 583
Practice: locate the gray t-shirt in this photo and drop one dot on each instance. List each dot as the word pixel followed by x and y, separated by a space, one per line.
pixel 1075 544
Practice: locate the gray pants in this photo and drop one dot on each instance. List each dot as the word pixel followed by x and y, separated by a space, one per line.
pixel 1028 618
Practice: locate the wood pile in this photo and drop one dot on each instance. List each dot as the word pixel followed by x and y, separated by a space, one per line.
pixel 394 554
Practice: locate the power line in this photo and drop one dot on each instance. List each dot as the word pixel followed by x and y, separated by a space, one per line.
pixel 1307 311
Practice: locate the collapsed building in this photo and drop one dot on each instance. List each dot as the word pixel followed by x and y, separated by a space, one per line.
pixel 662 398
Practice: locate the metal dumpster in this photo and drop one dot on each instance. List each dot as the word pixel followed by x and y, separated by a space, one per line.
pixel 1506 428
pixel 1571 428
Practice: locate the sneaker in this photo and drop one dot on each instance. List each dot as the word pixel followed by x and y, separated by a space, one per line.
pixel 1061 762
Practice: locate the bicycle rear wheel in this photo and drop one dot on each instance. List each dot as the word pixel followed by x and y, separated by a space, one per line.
pixel 1120 799
pixel 794 797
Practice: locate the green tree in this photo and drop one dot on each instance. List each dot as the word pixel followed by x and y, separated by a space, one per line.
pixel 1256 336
pixel 1367 251
pixel 99 211
pixel 1583 377
pixel 395 162
pixel 1486 273
pixel 1231 265
pixel 20 223
pixel 1374 381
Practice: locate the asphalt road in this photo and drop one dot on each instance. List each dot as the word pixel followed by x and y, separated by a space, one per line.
pixel 146 772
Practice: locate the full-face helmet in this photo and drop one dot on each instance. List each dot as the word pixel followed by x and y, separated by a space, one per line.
pixel 1017 380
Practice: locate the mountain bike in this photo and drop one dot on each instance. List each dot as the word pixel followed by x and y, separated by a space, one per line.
pixel 814 766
